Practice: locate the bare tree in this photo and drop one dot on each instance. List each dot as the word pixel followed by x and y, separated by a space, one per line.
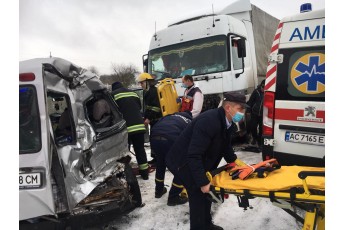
pixel 94 70
pixel 122 73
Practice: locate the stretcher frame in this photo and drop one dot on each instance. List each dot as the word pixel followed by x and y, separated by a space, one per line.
pixel 313 204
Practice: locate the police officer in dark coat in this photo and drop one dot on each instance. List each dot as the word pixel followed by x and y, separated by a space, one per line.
pixel 255 103
pixel 130 106
pixel 163 136
pixel 199 149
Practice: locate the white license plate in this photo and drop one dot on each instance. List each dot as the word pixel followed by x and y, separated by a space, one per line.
pixel 30 180
pixel 305 138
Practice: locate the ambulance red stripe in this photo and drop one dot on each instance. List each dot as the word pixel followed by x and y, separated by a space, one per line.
pixel 293 114
pixel 277 37
pixel 274 48
pixel 270 83
pixel 271 71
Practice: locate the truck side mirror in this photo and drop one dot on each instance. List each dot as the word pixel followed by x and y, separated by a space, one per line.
pixel 145 63
pixel 241 48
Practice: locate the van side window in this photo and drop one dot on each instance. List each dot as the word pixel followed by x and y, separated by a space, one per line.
pixel 29 121
pixel 102 113
pixel 61 117
pixel 237 62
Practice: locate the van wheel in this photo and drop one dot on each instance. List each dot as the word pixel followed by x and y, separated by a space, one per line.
pixel 133 185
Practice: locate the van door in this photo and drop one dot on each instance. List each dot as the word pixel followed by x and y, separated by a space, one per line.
pixel 35 189
pixel 299 120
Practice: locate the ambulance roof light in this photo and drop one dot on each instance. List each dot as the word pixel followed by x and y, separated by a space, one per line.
pixel 306 7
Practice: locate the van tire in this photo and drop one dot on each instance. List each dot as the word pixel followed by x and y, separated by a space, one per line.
pixel 133 185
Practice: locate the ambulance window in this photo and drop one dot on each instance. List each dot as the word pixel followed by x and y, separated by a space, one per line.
pixel 29 121
pixel 301 76
pixel 61 117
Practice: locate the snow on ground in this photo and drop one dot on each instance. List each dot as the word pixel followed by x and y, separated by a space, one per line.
pixel 157 215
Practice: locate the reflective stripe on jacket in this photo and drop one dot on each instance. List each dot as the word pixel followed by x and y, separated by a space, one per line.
pixel 130 106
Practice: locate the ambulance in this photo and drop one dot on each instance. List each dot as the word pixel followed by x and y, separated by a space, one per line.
pixel 294 98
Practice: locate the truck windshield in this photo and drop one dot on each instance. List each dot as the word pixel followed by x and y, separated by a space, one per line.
pixel 29 121
pixel 202 56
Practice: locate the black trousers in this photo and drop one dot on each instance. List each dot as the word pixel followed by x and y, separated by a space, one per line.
pixel 137 139
pixel 199 204
pixel 256 121
pixel 161 148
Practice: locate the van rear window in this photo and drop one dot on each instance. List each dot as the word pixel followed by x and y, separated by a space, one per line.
pixel 29 121
pixel 301 76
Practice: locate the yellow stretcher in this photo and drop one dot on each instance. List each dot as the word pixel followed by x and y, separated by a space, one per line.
pixel 302 187
pixel 167 95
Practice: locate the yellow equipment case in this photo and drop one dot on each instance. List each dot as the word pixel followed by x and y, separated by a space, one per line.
pixel 286 187
pixel 167 96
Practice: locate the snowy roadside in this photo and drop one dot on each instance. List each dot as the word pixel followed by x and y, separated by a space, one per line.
pixel 157 215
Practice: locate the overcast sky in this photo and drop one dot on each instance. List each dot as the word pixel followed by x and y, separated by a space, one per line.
pixel 101 32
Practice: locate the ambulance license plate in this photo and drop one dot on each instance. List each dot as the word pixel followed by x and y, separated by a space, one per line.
pixel 305 138
pixel 30 180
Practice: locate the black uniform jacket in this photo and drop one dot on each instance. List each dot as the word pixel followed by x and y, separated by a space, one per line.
pixel 171 126
pixel 152 105
pixel 130 105
pixel 202 145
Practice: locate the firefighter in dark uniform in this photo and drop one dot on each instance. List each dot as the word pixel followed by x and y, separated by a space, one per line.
pixel 152 109
pixel 199 149
pixel 151 101
pixel 193 98
pixel 130 106
pixel 163 135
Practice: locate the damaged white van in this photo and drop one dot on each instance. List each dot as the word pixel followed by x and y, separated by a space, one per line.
pixel 73 154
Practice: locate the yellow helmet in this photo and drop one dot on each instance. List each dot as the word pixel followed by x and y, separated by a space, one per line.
pixel 144 77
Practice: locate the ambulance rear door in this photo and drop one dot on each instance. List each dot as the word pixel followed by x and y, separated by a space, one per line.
pixel 299 114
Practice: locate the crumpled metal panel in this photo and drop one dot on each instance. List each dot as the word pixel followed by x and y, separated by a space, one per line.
pixel 107 151
pixel 88 163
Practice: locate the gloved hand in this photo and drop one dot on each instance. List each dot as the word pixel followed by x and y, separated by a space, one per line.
pixel 178 100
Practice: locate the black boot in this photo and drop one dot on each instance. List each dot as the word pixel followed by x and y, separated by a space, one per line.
pixel 212 226
pixel 177 200
pixel 144 174
pixel 159 194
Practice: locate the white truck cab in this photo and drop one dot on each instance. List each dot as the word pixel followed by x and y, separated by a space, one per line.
pixel 73 167
pixel 294 98
pixel 223 52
